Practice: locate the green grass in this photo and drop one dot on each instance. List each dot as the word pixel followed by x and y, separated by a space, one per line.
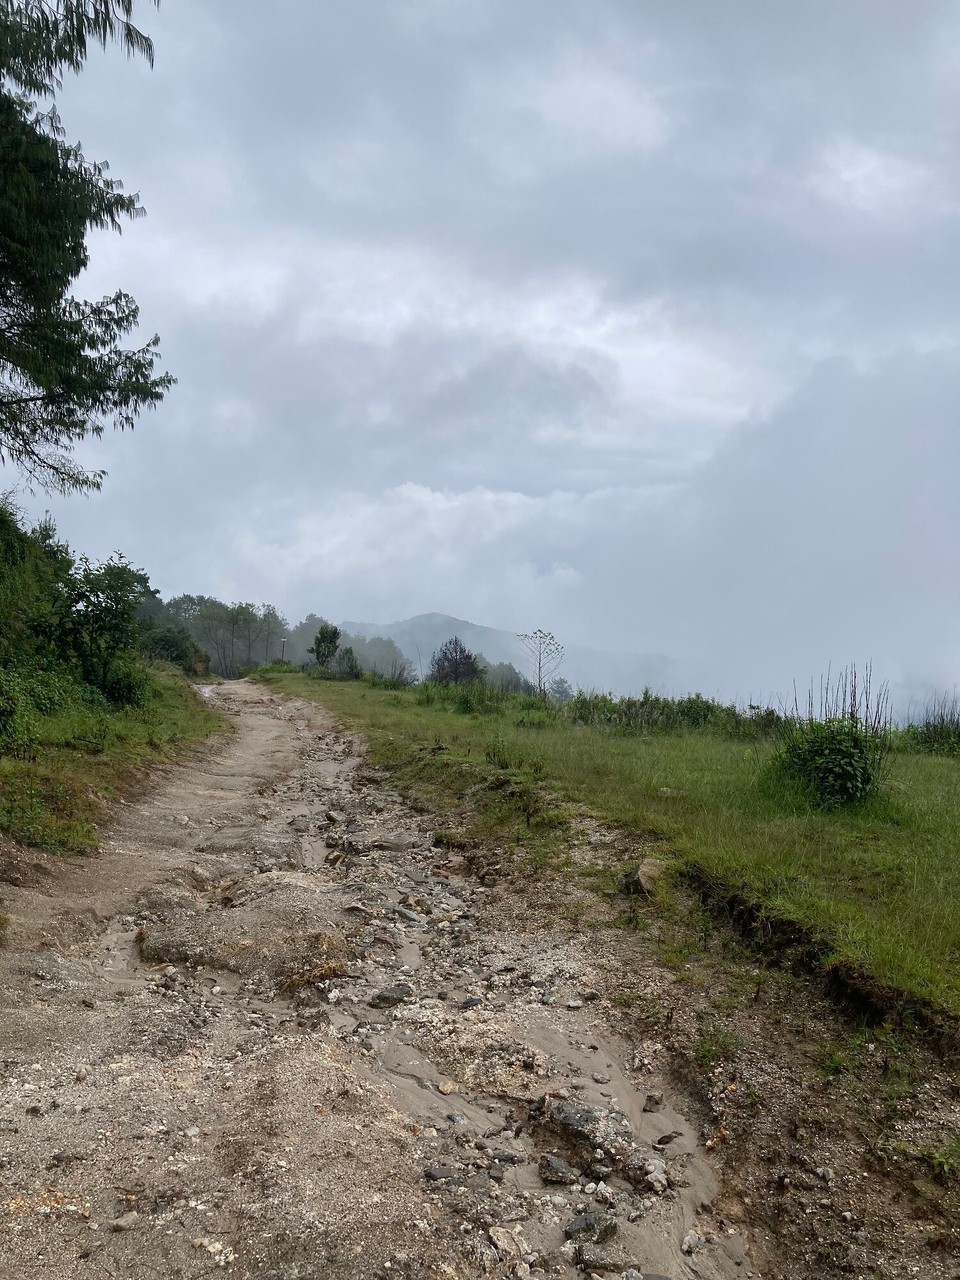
pixel 84 760
pixel 876 889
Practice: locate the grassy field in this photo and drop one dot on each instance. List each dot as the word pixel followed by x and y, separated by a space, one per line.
pixel 876 890
pixel 83 760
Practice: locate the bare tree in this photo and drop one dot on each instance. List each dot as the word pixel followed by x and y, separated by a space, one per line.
pixel 545 653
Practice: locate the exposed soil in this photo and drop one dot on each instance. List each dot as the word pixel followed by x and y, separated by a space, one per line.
pixel 272 1029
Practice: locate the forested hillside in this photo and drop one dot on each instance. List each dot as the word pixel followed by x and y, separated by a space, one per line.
pixel 80 711
pixel 238 637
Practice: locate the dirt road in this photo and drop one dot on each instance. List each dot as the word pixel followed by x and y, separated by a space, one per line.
pixel 271 1030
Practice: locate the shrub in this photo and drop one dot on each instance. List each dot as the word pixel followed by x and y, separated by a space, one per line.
pixel 345 664
pixel 18 726
pixel 837 762
pixel 657 713
pixel 837 757
pixel 937 731
pixel 51 691
pixel 170 642
pixel 279 666
pixel 125 684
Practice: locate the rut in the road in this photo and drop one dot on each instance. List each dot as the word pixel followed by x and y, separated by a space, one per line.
pixel 289 1038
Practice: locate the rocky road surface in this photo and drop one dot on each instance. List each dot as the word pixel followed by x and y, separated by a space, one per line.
pixel 272 1031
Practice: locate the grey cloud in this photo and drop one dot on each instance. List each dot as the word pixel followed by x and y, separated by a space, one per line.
pixel 640 318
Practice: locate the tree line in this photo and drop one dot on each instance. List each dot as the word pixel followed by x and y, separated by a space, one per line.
pixel 231 639
pixel 201 633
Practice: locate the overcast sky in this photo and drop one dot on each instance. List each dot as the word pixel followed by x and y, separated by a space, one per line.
pixel 636 321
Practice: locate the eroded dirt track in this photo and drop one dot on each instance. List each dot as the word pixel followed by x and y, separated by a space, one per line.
pixel 271 1030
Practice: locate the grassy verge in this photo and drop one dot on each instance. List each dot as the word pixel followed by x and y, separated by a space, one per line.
pixel 874 892
pixel 83 760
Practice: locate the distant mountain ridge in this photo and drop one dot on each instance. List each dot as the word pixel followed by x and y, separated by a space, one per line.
pixel 420 637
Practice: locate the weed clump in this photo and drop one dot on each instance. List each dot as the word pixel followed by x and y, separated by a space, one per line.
pixel 937 729
pixel 836 756
pixel 654 713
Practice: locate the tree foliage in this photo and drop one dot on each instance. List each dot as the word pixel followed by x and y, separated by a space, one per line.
pixel 560 690
pixel 325 643
pixel 64 371
pixel 40 39
pixel 505 678
pixel 66 619
pixel 102 625
pixel 453 663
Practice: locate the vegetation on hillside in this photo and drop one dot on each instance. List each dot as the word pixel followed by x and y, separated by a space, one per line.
pixel 79 710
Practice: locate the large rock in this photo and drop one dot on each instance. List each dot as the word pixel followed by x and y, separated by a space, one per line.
pixel 588 1129
pixel 643 879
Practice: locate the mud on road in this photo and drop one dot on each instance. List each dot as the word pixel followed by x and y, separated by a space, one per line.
pixel 272 1030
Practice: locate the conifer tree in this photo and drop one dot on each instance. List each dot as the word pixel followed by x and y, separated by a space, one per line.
pixel 64 372
pixel 453 663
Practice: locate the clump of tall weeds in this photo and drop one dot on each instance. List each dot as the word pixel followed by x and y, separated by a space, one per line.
pixel 836 749
pixel 936 729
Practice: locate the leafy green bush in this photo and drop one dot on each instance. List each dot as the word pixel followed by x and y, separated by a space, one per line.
pixel 837 754
pixel 51 691
pixel 28 697
pixel 837 762
pixel 125 684
pixel 169 642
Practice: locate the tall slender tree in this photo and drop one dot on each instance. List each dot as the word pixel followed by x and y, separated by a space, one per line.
pixel 545 654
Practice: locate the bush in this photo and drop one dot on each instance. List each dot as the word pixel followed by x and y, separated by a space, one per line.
pixel 837 756
pixel 345 664
pixel 18 719
pixel 125 684
pixel 658 713
pixel 837 762
pixel 51 691
pixel 169 642
pixel 279 667
pixel 938 729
